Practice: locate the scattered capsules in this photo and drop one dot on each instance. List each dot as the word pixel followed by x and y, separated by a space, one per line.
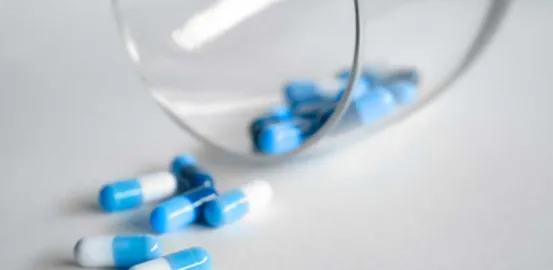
pixel 235 204
pixel 185 167
pixel 132 193
pixel 180 211
pixel 195 258
pixel 116 251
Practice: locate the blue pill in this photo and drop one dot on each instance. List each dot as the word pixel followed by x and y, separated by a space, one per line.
pixel 404 92
pixel 300 91
pixel 312 109
pixel 374 105
pixel 180 211
pixel 403 84
pixel 116 251
pixel 194 258
pixel 132 193
pixel 360 89
pixel 236 204
pixel 279 138
pixel 368 76
pixel 277 114
pixel 189 174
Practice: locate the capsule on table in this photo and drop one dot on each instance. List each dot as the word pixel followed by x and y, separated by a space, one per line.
pixel 180 211
pixel 116 251
pixel 132 193
pixel 374 105
pixel 189 174
pixel 194 258
pixel 235 204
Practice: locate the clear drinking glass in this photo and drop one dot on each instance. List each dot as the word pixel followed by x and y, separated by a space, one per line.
pixel 215 65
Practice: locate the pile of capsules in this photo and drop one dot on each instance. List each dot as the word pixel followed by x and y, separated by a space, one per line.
pixel 189 195
pixel 375 96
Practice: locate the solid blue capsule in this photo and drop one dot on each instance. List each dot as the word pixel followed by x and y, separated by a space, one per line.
pixel 194 258
pixel 189 174
pixel 180 211
pixel 116 251
pixel 300 91
pixel 236 204
pixel 278 113
pixel 374 105
pixel 279 138
pixel 134 192
pixel 403 85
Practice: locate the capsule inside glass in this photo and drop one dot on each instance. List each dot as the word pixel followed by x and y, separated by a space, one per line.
pixel 216 66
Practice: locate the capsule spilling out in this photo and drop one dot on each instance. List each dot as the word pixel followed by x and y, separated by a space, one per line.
pixel 189 259
pixel 190 175
pixel 116 251
pixel 180 211
pixel 132 193
pixel 236 204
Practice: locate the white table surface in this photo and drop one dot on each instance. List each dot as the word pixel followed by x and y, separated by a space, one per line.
pixel 465 183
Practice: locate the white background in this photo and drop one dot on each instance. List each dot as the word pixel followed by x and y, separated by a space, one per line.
pixel 465 183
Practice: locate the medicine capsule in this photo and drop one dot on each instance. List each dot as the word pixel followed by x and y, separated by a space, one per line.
pixel 180 211
pixel 278 113
pixel 235 204
pixel 279 138
pixel 361 87
pixel 132 193
pixel 116 251
pixel 403 86
pixel 300 91
pixel 189 259
pixel 189 174
pixel 374 105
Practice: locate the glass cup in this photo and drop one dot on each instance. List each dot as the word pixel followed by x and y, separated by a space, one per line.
pixel 217 66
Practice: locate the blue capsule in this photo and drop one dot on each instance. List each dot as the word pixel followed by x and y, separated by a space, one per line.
pixel 195 258
pixel 116 251
pixel 277 114
pixel 403 85
pixel 236 204
pixel 300 91
pixel 279 138
pixel 132 193
pixel 373 106
pixel 404 92
pixel 180 211
pixel 189 174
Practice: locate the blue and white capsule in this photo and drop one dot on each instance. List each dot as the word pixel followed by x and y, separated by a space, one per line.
pixel 194 258
pixel 116 251
pixel 134 192
pixel 190 175
pixel 236 204
pixel 181 211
